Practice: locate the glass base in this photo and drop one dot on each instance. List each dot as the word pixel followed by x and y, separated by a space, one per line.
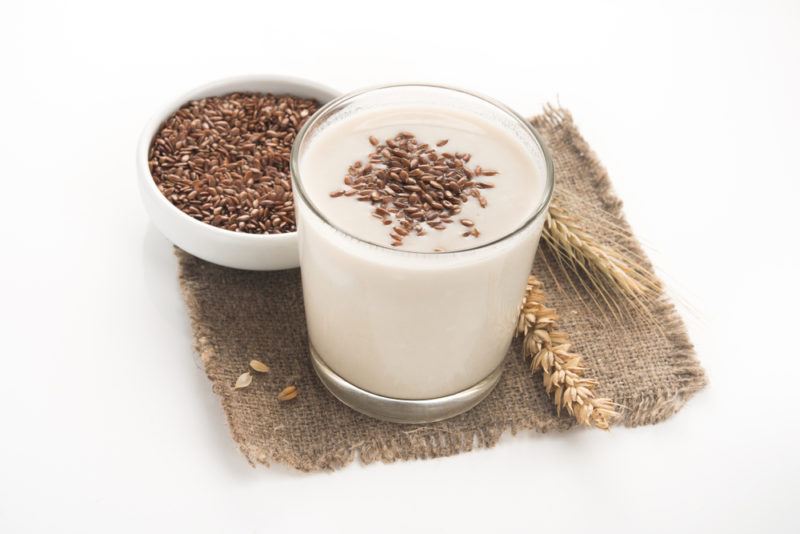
pixel 403 410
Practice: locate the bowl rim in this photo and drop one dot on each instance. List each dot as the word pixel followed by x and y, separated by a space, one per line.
pixel 222 85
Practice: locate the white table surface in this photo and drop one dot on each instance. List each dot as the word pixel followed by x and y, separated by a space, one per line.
pixel 108 422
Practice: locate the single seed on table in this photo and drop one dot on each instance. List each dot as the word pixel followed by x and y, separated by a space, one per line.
pixel 439 249
pixel 287 393
pixel 373 140
pixel 467 222
pixel 258 366
pixel 442 142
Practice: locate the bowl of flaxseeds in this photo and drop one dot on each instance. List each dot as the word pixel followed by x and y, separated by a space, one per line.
pixel 213 169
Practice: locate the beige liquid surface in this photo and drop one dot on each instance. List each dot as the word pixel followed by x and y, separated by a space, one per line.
pixel 399 323
pixel 510 203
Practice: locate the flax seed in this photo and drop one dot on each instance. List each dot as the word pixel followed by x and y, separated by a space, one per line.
pixel 218 158
pixel 408 182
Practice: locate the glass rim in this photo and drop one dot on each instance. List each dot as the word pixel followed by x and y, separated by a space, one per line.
pixel 298 187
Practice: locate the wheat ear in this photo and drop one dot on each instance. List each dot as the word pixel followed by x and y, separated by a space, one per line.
pixel 562 372
pixel 607 269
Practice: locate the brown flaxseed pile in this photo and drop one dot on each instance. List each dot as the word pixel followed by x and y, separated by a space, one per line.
pixel 414 186
pixel 225 160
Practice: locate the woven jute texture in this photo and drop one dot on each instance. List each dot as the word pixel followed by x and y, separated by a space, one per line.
pixel 646 364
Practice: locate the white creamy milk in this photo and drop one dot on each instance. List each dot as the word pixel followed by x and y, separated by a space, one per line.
pixel 407 322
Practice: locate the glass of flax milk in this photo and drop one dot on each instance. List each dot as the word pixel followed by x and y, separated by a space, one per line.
pixel 419 212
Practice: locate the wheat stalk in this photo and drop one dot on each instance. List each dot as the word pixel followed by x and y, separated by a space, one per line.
pixel 562 372
pixel 606 269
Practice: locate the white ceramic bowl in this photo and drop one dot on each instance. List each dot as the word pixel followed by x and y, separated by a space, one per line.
pixel 259 252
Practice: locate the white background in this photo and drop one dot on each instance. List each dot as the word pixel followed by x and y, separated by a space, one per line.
pixel 107 422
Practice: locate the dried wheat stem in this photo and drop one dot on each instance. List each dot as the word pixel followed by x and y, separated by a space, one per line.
pixel 606 268
pixel 562 373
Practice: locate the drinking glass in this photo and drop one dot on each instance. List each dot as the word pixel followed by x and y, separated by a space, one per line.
pixel 412 337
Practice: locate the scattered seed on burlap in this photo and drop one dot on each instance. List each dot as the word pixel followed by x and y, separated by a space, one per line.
pixel 287 393
pixel 224 160
pixel 244 380
pixel 259 366
pixel 414 187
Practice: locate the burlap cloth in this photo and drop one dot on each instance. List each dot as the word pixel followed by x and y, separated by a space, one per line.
pixel 648 366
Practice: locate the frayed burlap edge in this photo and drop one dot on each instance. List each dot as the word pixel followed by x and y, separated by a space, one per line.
pixel 412 445
pixel 657 406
